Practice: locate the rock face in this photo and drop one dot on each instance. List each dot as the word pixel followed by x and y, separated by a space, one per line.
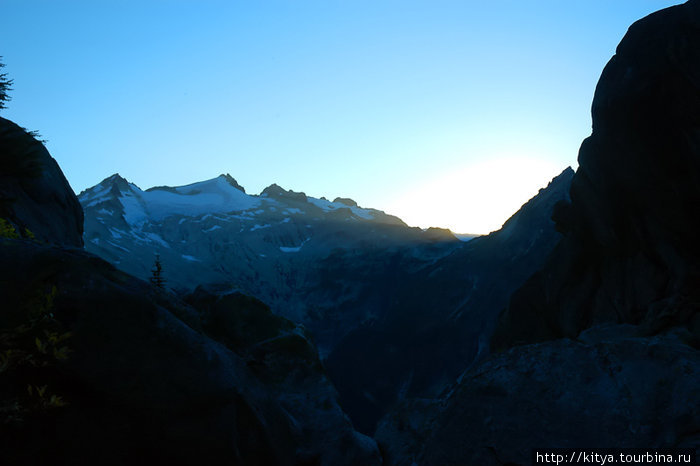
pixel 281 355
pixel 35 197
pixel 599 348
pixel 143 379
pixel 626 392
pixel 630 252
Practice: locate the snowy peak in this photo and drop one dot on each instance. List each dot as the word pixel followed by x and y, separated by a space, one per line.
pixel 110 188
pixel 230 180
pixel 115 181
pixel 220 195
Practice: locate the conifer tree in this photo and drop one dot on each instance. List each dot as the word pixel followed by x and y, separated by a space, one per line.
pixel 157 273
pixel 5 84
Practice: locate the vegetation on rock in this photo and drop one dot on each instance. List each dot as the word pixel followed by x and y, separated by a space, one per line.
pixel 5 84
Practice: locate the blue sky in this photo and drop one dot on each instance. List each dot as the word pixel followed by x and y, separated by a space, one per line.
pixel 446 113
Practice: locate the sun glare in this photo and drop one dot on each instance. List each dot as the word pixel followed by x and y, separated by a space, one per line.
pixel 475 198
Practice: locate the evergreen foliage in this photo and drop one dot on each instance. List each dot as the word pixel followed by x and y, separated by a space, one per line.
pixel 5 84
pixel 7 230
pixel 157 273
pixel 30 354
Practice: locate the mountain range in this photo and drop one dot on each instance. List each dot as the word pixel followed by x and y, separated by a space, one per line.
pixel 369 288
pixel 299 331
pixel 212 232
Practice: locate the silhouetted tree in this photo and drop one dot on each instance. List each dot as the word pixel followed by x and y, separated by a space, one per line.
pixel 4 86
pixel 157 273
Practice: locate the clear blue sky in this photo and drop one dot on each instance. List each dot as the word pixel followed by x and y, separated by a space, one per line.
pixel 442 112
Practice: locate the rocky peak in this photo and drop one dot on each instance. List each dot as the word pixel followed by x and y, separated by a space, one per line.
pixel 230 180
pixel 116 181
pixel 347 201
pixel 276 191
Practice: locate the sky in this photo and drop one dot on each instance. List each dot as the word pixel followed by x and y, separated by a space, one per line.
pixel 444 113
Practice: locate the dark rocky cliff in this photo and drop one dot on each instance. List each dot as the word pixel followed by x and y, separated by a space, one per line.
pixel 599 348
pixel 34 195
pixel 631 252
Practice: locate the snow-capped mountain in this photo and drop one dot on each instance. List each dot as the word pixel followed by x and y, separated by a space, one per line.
pixel 213 232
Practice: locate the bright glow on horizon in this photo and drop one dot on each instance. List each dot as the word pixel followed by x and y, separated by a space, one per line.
pixel 476 198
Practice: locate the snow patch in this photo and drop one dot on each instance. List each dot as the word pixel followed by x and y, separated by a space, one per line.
pixel 117 233
pixel 259 227
pixel 215 227
pixel 328 206
pixel 134 212
pixel 295 248
pixel 190 258
pixel 153 237
pixel 118 247
pixel 362 213
pixel 206 197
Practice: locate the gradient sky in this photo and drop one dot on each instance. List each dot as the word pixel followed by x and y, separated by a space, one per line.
pixel 445 113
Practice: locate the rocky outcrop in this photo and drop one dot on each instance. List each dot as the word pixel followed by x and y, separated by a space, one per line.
pixel 345 200
pixel 232 181
pixel 138 381
pixel 593 393
pixel 630 252
pixel 142 378
pixel 599 347
pixel 280 353
pixel 276 191
pixel 35 197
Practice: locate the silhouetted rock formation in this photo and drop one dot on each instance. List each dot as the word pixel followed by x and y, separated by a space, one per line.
pixel 34 195
pixel 631 252
pixel 599 347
